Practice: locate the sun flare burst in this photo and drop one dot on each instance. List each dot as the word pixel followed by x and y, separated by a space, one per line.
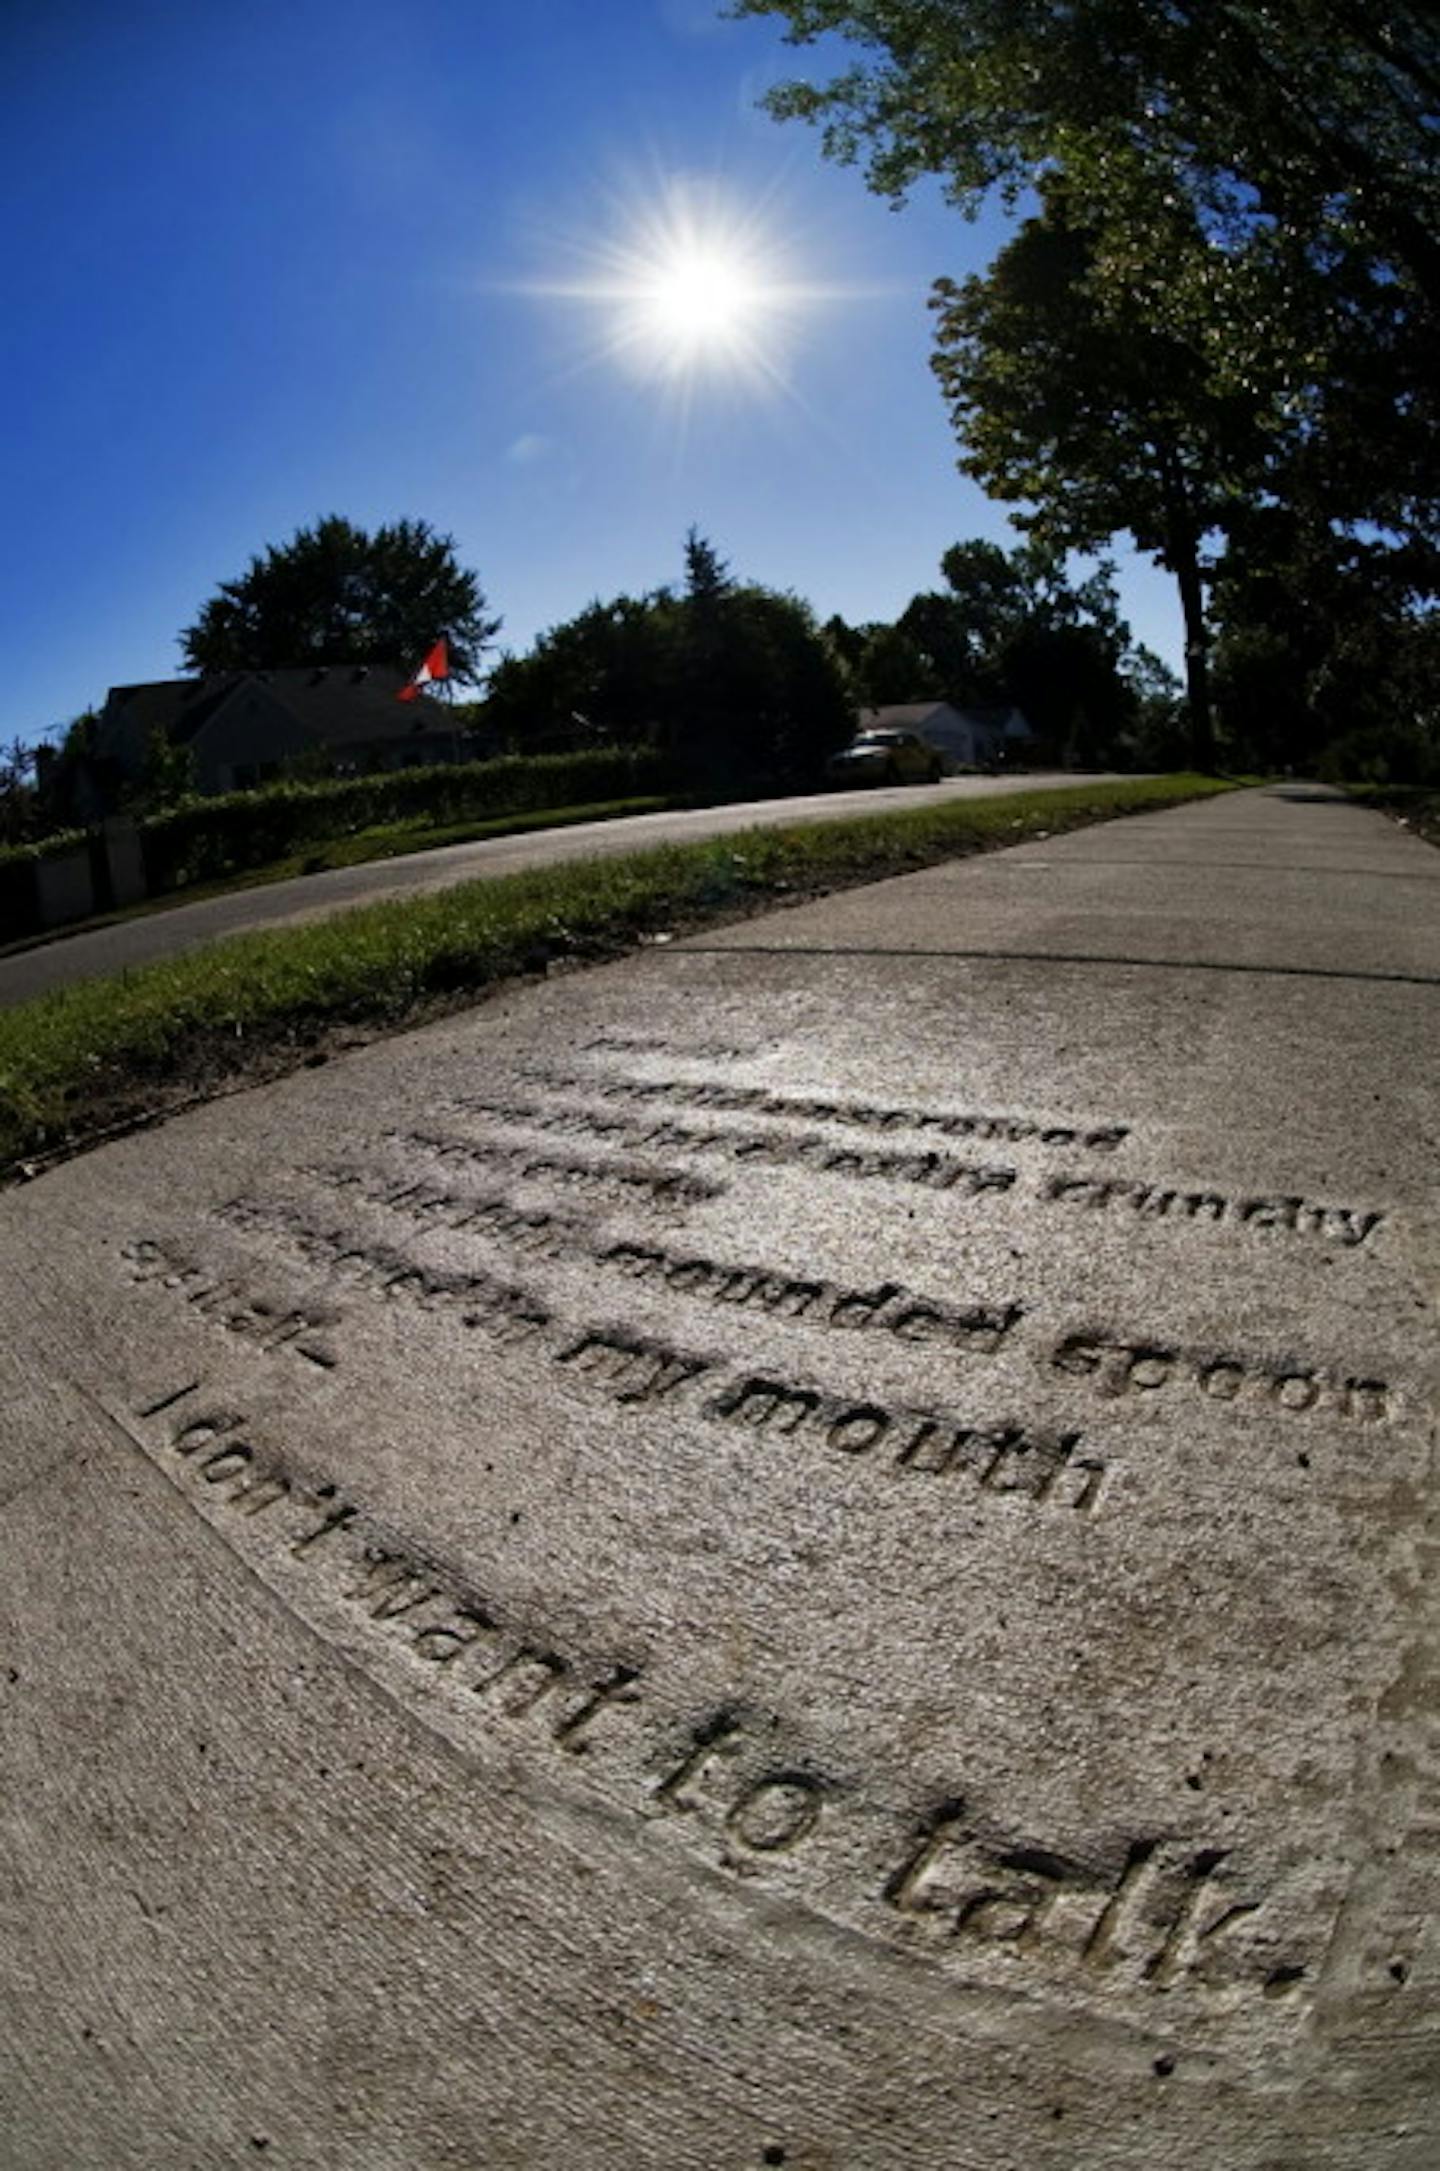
pixel 686 287
pixel 701 299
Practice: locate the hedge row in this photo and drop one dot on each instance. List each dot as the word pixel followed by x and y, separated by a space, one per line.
pixel 25 855
pixel 18 910
pixel 203 840
pixel 19 896
pixel 206 840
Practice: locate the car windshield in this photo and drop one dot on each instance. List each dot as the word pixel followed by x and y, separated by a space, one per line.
pixel 878 738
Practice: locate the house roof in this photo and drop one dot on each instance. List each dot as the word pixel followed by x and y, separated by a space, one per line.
pixel 160 706
pixel 919 715
pixel 339 704
pixel 900 715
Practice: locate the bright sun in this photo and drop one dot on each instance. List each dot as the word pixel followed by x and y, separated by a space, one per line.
pixel 701 297
pixel 696 295
pixel 687 287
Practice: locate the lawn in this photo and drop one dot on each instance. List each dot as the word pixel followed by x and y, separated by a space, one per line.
pixel 106 1055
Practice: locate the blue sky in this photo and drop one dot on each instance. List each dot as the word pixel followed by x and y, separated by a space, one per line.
pixel 272 260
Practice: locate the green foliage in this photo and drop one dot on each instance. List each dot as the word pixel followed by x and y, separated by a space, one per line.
pixel 1078 394
pixel 94 1054
pixel 335 594
pixel 19 801
pixel 758 702
pixel 168 774
pixel 1012 627
pixel 19 898
pixel 1075 398
pixel 54 841
pixel 1329 653
pixel 1313 117
pixel 206 839
pixel 64 766
pixel 19 904
pixel 707 576
pixel 602 676
pixel 733 681
pixel 1231 304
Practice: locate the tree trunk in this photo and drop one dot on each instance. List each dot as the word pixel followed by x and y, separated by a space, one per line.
pixel 1182 551
pixel 1197 659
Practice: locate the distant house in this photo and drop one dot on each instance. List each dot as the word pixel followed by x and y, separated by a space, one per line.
pixel 968 738
pixel 245 728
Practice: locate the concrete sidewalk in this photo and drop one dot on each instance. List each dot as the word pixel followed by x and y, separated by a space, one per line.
pixel 814 1549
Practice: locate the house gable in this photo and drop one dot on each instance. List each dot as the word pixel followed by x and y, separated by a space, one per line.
pixel 246 738
pixel 244 727
pixel 966 736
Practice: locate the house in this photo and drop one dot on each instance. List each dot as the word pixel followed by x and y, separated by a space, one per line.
pixel 968 738
pixel 245 728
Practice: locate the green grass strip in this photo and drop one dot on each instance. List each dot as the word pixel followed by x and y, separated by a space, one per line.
pixel 394 841
pixel 106 1052
pixel 397 840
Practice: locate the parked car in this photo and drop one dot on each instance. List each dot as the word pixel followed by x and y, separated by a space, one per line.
pixel 887 757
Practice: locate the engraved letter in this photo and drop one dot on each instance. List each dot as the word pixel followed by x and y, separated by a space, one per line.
pixel 910 1890
pixel 1297 1391
pixel 443 1644
pixel 991 1179
pixel 1148 1369
pixel 1354 1228
pixel 545 1670
pixel 1373 1396
pixel 859 1308
pixel 717 1737
pixel 1271 1213
pixel 1107 1942
pixel 335 1520
pixel 390 1585
pixel 777 1813
pixel 1079 1354
pixel 761 1402
pixel 201 1432
pixel 636 1260
pixel 856 1431
pixel 616 1690
pixel 918 1323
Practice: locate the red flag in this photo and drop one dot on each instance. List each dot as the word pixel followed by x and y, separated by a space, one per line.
pixel 436 666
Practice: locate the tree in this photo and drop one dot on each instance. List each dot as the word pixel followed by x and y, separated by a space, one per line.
pixel 1012 627
pixel 733 680
pixel 707 576
pixel 1316 117
pixel 335 594
pixel 1328 651
pixel 167 774
pixel 19 809
pixel 1250 201
pixel 605 674
pixel 1075 399
pixel 72 780
pixel 761 701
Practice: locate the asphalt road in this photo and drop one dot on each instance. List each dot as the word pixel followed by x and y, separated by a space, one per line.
pixel 103 951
